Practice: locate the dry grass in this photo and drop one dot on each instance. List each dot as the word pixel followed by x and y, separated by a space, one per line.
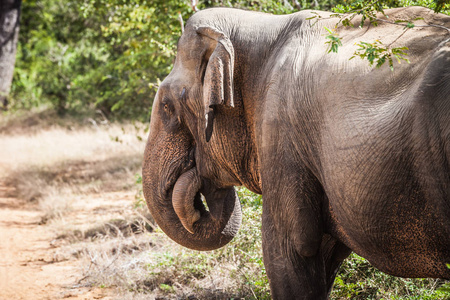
pixel 57 164
pixel 150 266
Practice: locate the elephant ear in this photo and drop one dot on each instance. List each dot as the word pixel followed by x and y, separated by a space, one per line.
pixel 218 79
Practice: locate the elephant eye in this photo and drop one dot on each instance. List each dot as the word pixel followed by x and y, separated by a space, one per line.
pixel 168 115
pixel 167 106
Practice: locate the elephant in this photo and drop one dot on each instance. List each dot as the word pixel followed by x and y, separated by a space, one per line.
pixel 347 156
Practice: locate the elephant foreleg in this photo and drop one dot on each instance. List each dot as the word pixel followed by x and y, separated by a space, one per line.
pixel 301 260
pixel 293 276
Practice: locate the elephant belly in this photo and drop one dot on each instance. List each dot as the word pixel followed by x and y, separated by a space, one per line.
pixel 398 238
pixel 393 211
pixel 386 174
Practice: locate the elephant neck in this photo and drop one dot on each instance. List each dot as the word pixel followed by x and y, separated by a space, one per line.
pixel 255 48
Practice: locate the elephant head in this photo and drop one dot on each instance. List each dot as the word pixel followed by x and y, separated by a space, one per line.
pixel 198 144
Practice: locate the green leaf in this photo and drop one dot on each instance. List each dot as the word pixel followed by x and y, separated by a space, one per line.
pixel 329 30
pixel 410 25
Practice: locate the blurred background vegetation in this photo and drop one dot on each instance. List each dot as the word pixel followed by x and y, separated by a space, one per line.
pixel 111 54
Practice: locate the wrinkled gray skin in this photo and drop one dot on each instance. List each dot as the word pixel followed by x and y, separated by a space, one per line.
pixel 347 157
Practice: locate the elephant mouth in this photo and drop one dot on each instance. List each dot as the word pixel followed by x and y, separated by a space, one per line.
pixel 183 186
pixel 176 169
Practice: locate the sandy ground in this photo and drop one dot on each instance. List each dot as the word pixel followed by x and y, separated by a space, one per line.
pixel 70 178
pixel 28 269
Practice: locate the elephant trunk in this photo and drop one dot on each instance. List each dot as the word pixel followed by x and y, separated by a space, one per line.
pixel 180 213
pixel 184 191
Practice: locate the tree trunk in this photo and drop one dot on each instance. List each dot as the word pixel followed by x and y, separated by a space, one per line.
pixel 9 34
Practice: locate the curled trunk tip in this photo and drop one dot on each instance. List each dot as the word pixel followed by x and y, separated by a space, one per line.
pixel 184 191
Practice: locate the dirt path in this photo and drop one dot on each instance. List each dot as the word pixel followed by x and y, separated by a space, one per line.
pixel 28 267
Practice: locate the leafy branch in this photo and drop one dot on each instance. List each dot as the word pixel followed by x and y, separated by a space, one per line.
pixel 410 24
pixel 334 40
pixel 367 10
pixel 377 54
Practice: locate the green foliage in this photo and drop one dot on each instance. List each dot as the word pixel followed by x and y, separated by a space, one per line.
pixel 377 54
pixel 273 6
pixel 107 54
pixel 249 244
pixel 357 279
pixel 48 52
pixel 366 9
pixel 141 37
pixel 442 6
pixel 334 40
pixel 445 288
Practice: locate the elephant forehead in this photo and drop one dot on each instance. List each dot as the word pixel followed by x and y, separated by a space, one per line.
pixel 190 45
pixel 188 65
pixel 184 70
